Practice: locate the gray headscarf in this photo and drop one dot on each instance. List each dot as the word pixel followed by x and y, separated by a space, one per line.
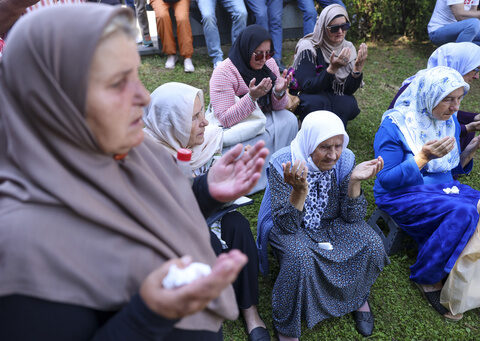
pixel 76 226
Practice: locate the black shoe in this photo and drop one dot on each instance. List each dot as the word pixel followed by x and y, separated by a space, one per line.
pixel 259 334
pixel 363 322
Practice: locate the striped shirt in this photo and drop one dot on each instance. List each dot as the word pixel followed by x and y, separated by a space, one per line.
pixel 226 83
pixel 44 3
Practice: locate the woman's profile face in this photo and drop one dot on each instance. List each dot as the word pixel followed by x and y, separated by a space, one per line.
pixel 449 105
pixel 337 37
pixel 327 153
pixel 115 95
pixel 199 122
pixel 470 76
pixel 262 50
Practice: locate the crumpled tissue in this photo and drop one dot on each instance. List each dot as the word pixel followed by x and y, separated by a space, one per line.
pixel 177 277
pixel 453 190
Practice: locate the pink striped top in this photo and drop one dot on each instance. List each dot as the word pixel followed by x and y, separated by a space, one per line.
pixel 226 83
pixel 43 3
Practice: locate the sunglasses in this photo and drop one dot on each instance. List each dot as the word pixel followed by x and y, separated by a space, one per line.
pixel 336 28
pixel 260 55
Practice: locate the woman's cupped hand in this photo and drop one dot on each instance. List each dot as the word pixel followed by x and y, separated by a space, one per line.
pixel 367 169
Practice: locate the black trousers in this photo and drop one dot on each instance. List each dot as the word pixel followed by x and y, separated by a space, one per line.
pixel 237 234
pixel 344 106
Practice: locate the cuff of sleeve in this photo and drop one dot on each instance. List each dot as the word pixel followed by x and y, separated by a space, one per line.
pixel 148 317
pixel 201 184
pixel 412 168
pixel 463 130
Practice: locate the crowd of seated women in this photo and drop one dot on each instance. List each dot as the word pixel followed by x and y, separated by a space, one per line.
pixel 94 211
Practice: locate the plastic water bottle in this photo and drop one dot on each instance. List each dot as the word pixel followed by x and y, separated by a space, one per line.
pixel 184 156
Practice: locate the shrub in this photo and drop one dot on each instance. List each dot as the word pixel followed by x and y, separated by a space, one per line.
pixel 384 19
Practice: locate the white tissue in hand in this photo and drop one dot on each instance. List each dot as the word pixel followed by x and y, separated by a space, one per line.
pixel 325 246
pixel 177 277
pixel 453 190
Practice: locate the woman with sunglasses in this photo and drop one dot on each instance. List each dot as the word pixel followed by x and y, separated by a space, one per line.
pixel 465 58
pixel 327 67
pixel 249 82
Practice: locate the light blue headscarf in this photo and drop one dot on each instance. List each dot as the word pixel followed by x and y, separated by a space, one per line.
pixel 463 57
pixel 412 113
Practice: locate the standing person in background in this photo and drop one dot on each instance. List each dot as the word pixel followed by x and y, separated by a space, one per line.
pixel 455 21
pixel 143 22
pixel 268 14
pixel 310 12
pixel 238 13
pixel 184 31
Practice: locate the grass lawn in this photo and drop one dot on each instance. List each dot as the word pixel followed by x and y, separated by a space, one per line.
pixel 400 311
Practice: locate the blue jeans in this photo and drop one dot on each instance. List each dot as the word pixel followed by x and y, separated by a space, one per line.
pixel 131 4
pixel 268 14
pixel 310 13
pixel 460 31
pixel 238 13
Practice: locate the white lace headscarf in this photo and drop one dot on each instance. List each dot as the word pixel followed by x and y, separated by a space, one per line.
pixel 168 119
pixel 317 127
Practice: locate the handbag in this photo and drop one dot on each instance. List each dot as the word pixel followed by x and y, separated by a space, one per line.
pixel 244 130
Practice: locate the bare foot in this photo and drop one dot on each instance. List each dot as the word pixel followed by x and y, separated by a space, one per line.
pixel 252 319
pixel 365 307
pixel 432 287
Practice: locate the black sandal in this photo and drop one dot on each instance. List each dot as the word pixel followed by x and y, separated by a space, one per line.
pixel 433 298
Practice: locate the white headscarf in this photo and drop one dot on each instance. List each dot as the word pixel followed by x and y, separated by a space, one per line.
pixel 168 119
pixel 413 113
pixel 317 39
pixel 317 127
pixel 463 57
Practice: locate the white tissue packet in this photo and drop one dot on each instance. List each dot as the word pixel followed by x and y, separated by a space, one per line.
pixel 453 190
pixel 325 246
pixel 177 277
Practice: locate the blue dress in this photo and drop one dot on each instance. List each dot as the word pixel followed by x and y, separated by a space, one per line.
pixel 440 223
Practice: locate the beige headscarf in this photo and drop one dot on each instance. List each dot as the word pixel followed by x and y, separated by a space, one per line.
pixel 168 119
pixel 76 226
pixel 316 39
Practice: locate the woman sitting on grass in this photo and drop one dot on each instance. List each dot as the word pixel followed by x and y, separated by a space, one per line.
pixel 419 141
pixel 175 118
pixel 327 67
pixel 465 58
pixel 247 84
pixel 329 257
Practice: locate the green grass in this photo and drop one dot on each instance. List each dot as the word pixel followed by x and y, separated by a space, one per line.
pixel 400 311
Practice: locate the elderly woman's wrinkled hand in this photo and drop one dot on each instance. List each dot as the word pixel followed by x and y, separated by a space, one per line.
pixel 435 149
pixel 193 297
pixel 340 61
pixel 367 169
pixel 257 91
pixel 236 172
pixel 281 84
pixel 474 125
pixel 361 58
pixel 296 175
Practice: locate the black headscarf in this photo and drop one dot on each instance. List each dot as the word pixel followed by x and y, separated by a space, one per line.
pixel 242 49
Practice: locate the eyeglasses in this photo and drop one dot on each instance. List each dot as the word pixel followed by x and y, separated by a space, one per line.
pixel 336 28
pixel 260 55
pixel 477 70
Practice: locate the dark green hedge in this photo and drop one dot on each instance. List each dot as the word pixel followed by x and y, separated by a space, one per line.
pixel 386 19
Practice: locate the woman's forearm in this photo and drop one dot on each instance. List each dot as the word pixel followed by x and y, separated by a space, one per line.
pixel 354 189
pixel 297 198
